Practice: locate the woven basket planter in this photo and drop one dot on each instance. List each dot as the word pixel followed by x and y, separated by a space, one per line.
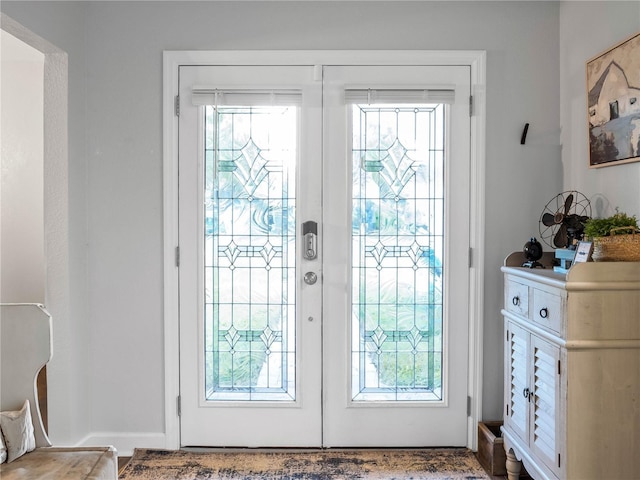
pixel 617 247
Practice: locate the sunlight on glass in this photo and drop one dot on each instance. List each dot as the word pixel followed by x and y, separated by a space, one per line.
pixel 249 231
pixel 398 248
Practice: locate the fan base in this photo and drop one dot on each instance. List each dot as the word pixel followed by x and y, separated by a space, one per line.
pixel 533 264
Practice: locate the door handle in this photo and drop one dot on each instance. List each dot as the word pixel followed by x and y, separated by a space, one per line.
pixel 310 240
pixel 310 278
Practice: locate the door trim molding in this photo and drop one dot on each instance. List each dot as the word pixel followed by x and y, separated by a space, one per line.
pixel 172 60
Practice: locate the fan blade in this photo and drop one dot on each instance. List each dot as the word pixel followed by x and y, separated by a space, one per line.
pixel 567 203
pixel 548 219
pixel 561 238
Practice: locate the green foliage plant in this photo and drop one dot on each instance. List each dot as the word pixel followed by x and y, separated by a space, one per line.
pixel 602 227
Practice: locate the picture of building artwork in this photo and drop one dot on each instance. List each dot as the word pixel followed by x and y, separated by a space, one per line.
pixel 613 87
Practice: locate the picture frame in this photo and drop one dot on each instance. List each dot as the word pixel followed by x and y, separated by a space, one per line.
pixel 583 252
pixel 613 104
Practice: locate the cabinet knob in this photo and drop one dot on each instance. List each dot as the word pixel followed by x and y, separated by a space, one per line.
pixel 526 393
pixel 544 313
pixel 515 301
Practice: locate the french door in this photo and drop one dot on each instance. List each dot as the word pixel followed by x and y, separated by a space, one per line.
pixel 323 296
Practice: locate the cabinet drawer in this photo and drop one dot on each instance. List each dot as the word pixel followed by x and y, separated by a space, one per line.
pixel 516 298
pixel 547 310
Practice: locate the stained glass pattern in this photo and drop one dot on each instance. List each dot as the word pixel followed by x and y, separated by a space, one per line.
pixel 397 240
pixel 249 218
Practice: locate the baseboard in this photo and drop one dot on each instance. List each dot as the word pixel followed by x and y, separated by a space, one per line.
pixel 125 442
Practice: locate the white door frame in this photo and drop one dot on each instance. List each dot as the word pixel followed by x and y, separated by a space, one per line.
pixel 174 59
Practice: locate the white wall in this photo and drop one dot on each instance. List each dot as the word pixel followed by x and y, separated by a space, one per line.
pixel 586 30
pixel 115 101
pixel 22 265
pixel 67 406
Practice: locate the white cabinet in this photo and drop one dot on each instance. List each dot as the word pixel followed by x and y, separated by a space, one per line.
pixel 572 370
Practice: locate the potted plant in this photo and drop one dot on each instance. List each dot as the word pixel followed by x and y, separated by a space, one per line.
pixel 615 238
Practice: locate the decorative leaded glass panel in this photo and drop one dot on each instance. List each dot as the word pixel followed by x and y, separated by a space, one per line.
pixel 398 248
pixel 250 162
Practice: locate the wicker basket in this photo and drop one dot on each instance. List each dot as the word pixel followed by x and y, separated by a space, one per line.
pixel 617 248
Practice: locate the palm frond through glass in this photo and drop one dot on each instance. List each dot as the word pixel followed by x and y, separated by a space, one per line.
pixel 397 250
pixel 249 231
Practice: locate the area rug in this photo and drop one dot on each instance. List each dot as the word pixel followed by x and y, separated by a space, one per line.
pixel 418 464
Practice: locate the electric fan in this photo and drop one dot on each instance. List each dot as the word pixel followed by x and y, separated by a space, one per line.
pixel 563 218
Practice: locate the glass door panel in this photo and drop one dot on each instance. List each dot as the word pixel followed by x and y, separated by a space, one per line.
pixel 250 253
pixel 397 238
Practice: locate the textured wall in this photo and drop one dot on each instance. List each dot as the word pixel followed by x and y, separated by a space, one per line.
pixel 22 265
pixel 612 22
pixel 115 156
pixel 64 392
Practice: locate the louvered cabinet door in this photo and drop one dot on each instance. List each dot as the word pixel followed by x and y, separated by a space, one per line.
pixel 517 359
pixel 545 398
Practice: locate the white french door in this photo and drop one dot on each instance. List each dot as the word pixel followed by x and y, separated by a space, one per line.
pixel 396 215
pixel 323 296
pixel 249 164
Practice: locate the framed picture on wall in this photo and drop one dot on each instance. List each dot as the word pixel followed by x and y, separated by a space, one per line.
pixel 613 105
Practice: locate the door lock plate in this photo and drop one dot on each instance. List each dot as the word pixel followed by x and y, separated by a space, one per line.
pixel 310 240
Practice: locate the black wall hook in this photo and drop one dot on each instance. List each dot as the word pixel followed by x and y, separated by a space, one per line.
pixel 524 134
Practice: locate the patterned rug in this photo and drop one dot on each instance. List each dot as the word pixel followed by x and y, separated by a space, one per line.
pixel 422 464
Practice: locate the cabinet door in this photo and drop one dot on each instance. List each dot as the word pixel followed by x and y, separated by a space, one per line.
pixel 517 388
pixel 545 378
